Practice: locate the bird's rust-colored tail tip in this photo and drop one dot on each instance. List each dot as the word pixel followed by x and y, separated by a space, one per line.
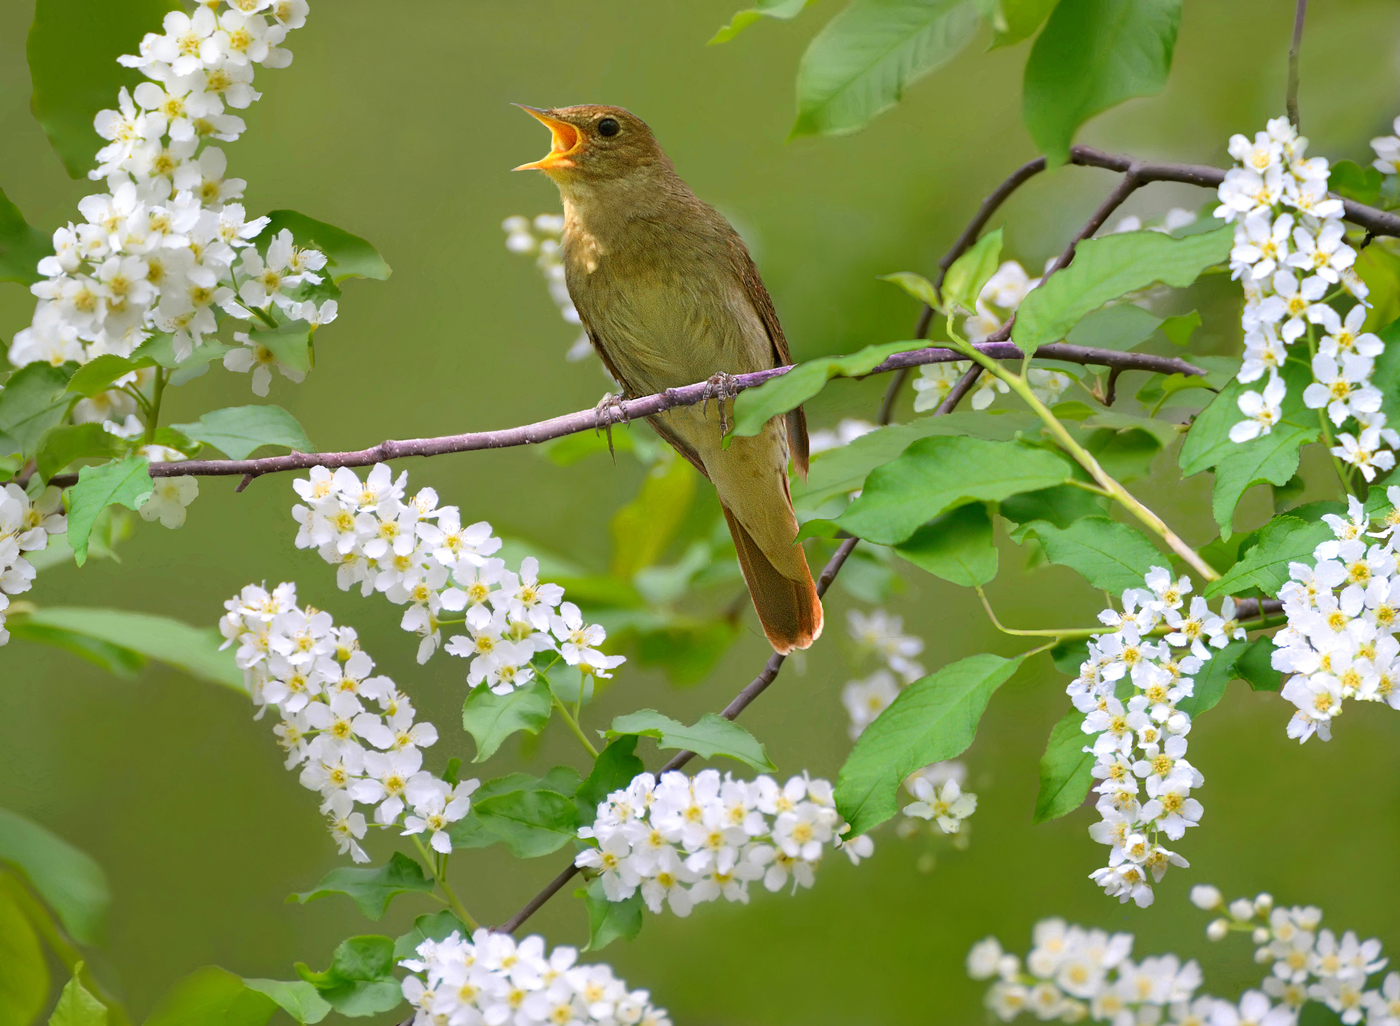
pixel 789 610
pixel 786 644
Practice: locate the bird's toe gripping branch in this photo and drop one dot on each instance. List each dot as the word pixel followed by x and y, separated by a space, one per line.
pixel 611 409
pixel 723 388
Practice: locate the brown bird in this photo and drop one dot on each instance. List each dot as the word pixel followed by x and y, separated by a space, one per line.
pixel 669 295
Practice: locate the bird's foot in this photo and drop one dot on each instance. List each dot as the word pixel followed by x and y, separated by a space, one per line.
pixel 723 388
pixel 611 409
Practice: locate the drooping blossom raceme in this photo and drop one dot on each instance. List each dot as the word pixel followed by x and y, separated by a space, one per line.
pixel 1292 259
pixel 882 635
pixel 25 526
pixel 492 979
pixel 354 735
pixel 1306 962
pixel 685 841
pixel 1129 690
pixel 540 238
pixel 167 247
pixel 1343 616
pixel 419 554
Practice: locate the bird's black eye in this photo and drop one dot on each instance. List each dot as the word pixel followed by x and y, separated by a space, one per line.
pixel 609 127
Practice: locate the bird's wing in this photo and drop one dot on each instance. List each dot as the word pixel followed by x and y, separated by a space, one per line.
pixel 763 306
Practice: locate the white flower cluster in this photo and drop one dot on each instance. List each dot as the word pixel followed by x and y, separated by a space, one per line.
pixel 25 526
pixel 686 841
pixel 540 238
pixel 882 635
pixel 492 979
pixel 417 553
pixel 1387 148
pixel 939 798
pixel 167 245
pixel 354 735
pixel 1306 963
pixel 1128 690
pixel 1292 259
pixel 1343 614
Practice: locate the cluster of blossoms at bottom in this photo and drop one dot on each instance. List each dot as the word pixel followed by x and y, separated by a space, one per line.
pixel 492 979
pixel 353 735
pixel 1129 690
pixel 1073 974
pixel 1343 614
pixel 540 238
pixel 25 526
pixel 685 841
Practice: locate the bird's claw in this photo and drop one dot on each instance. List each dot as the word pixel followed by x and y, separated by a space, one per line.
pixel 723 388
pixel 611 409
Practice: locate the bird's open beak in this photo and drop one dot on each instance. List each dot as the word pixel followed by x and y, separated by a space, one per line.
pixel 567 141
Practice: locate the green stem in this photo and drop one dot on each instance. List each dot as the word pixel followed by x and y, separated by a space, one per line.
pixel 265 317
pixel 1326 425
pixel 1049 632
pixel 573 724
pixel 158 393
pixel 439 872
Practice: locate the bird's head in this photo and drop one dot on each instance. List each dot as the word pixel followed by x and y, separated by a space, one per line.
pixel 594 144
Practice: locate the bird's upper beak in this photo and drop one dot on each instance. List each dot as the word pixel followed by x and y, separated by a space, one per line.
pixel 567 141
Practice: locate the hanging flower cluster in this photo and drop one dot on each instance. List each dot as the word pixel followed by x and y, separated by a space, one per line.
pixel 492 979
pixel 418 554
pixel 1343 614
pixel 686 841
pixel 1128 690
pixel 540 238
pixel 1292 259
pixel 25 526
pixel 353 735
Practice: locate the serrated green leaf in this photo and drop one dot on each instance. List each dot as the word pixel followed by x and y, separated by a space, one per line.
pixel 1107 268
pixel 491 718
pixel 290 343
pixel 298 999
pixel 1061 505
pixel 610 920
pixel 1348 178
pixel 617 766
pixel 1065 769
pixel 860 63
pixel 1212 679
pixel 33 401
pixel 1208 443
pixel 1255 666
pixel 21 247
pixel 348 256
pixel 1179 329
pixel 211 997
pixel 68 880
pixel 76 1004
pixel 1093 55
pixel 24 971
pixel 1109 555
pixel 937 474
pixel 530 816
pixel 933 719
pixel 432 926
pixel 969 272
pixel 784 10
pixel 360 980
pixel 1272 459
pixel 66 443
pixel 239 430
pixel 1284 540
pixel 710 736
pixel 1119 327
pixel 125 482
pixel 755 407
pixel 956 546
pixel 372 889
pixel 96 376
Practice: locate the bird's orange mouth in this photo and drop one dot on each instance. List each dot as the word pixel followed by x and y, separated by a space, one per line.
pixel 567 141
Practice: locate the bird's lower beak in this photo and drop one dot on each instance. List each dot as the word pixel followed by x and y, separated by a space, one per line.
pixel 567 141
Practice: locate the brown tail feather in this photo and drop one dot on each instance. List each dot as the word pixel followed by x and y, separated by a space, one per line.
pixel 789 610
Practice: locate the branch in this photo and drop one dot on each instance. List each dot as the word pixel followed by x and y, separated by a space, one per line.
pixel 1291 101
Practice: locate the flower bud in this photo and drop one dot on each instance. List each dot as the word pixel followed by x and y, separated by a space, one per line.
pixel 1242 909
pixel 1263 903
pixel 1204 896
pixel 1261 935
pixel 1218 929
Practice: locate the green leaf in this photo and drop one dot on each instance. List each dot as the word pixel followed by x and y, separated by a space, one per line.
pixel 1093 55
pixel 531 817
pixel 432 926
pixel 917 286
pixel 125 482
pixel 33 401
pixel 1255 666
pixel 96 376
pixel 211 997
pixel 642 529
pixel 956 546
pixel 1363 184
pixel 1272 459
pixel 936 474
pixel 1061 505
pixel 1109 555
pixel 610 920
pixel 1208 442
pixel 1105 269
pixel 755 407
pixel 1069 656
pixel 347 256
pixel 290 343
pixel 372 889
pixel 1284 540
pixel 299 999
pixel 709 736
pixel 784 10
pixel 115 659
pixel 687 649
pixel 1126 455
pixel 195 650
pixel 1120 327
pixel 1386 375
pixel 860 63
pixel 933 719
pixel 491 718
pixel 1212 679
pixel 1179 329
pixel 68 880
pixel 69 442
pixel 24 972
pixel 239 430
pixel 360 980
pixel 21 247
pixel 76 1004
pixel 73 50
pixel 969 272
pixel 617 766
pixel 1015 20
pixel 1065 770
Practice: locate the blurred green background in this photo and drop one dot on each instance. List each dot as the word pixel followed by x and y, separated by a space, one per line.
pixel 394 123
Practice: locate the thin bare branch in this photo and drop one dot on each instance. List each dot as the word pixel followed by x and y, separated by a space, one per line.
pixel 1127 185
pixel 1291 101
pixel 960 388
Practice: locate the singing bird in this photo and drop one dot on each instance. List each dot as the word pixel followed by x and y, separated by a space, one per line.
pixel 669 295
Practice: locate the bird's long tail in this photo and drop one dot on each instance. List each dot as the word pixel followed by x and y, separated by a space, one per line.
pixel 787 606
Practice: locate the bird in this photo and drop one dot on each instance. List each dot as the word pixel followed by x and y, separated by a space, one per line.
pixel 669 295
